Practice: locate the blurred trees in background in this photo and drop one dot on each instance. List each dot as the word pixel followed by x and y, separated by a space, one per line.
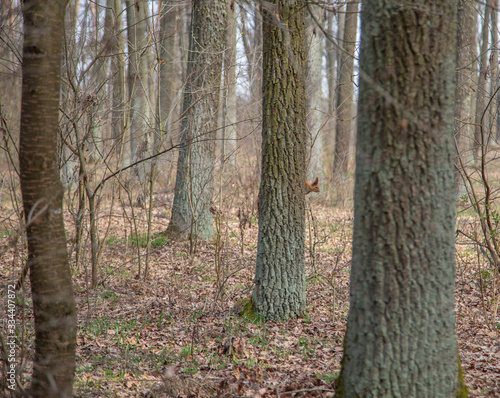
pixel 166 96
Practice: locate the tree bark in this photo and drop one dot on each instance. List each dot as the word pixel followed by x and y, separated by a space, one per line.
pixel 315 99
pixel 51 286
pixel 279 291
pixel 482 92
pixel 195 167
pixel 331 77
pixel 138 82
pixel 229 106
pixel 400 339
pixel 118 80
pixel 464 109
pixel 345 92
pixel 493 110
pixel 169 76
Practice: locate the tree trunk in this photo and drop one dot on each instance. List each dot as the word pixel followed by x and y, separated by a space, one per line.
pixel 279 291
pixel 400 339
pixel 315 99
pixel 169 76
pixel 138 82
pixel 482 92
pixel 464 111
pixel 331 76
pixel 118 79
pixel 345 92
pixel 229 106
pixel 195 167
pixel 493 110
pixel 51 286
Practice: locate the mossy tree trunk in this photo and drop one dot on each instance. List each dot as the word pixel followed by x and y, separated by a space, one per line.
pixel 51 287
pixel 279 291
pixel 195 167
pixel 400 339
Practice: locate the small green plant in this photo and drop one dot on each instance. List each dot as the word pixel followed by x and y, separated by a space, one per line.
pixel 98 326
pixel 142 241
pixel 328 377
pixel 186 351
pixel 307 348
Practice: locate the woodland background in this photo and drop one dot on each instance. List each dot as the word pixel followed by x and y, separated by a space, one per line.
pixel 159 317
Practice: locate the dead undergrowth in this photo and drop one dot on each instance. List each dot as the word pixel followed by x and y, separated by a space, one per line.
pixel 176 333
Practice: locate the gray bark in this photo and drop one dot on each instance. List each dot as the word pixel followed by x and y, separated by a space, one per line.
pixel 481 119
pixel 138 81
pixel 400 339
pixel 169 68
pixel 229 106
pixel 464 103
pixel 118 79
pixel 194 182
pixel 345 92
pixel 315 99
pixel 279 291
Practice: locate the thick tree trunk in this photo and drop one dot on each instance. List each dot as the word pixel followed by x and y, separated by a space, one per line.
pixel 51 287
pixel 279 291
pixel 400 339
pixel 194 183
pixel 345 92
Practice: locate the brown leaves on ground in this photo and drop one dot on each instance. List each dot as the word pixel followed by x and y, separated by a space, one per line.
pixel 176 335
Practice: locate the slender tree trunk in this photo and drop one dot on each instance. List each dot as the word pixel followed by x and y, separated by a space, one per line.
pixel 493 110
pixel 331 76
pixel 481 120
pixel 229 105
pixel 464 110
pixel 315 99
pixel 138 82
pixel 400 339
pixel 118 79
pixel 345 93
pixel 194 182
pixel 51 286
pixel 169 76
pixel 279 291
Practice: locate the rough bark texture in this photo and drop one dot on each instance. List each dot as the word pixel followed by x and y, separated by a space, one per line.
pixel 51 287
pixel 464 110
pixel 345 92
pixel 194 182
pixel 280 271
pixel 400 339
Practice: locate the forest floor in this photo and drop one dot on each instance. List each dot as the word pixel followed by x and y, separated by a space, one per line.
pixel 176 334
